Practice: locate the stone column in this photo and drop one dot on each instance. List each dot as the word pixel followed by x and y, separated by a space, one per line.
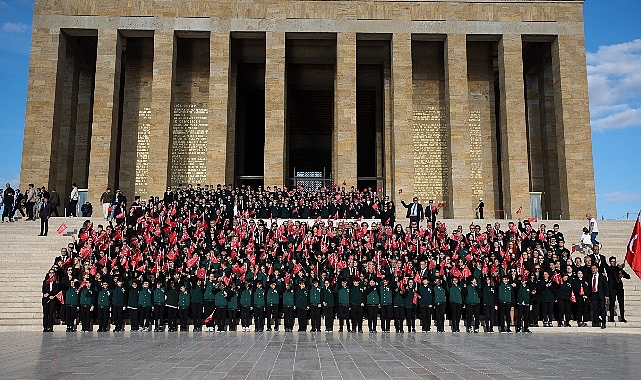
pixel 514 159
pixel 573 133
pixel 402 175
pixel 344 146
pixel 218 101
pixel 458 115
pixel 104 130
pixel 159 131
pixel 275 109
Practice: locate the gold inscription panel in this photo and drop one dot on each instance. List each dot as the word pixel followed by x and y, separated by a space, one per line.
pixel 142 150
pixel 476 157
pixel 189 143
pixel 431 156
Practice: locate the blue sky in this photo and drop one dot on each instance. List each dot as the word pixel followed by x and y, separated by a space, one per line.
pixel 613 42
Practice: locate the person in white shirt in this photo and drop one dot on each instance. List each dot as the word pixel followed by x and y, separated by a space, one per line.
pixel 586 239
pixel 73 201
pixel 594 229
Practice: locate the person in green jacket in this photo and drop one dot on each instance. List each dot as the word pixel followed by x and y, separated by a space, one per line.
pixel 315 305
pixel 71 306
pixel 440 300
pixel 343 305
pixel 302 306
pixel 184 301
pixel 425 301
pixel 172 306
pixel 489 304
pixel 221 305
pixel 387 308
pixel 144 306
pixel 273 299
pixel 472 304
pixel 209 301
pixel 456 300
pixel 373 302
pixel 104 307
pixel 246 297
pixel 523 305
pixel 132 305
pixel 232 307
pixel 86 306
pixel 288 306
pixel 118 305
pixel 399 308
pixel 196 294
pixel 259 307
pixel 505 305
pixel 357 304
pixel 159 306
pixel 410 306
pixel 327 296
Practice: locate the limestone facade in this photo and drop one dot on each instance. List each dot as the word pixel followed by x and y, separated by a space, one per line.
pixel 143 94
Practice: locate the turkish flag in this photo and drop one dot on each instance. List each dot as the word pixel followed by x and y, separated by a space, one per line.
pixel 520 210
pixel 209 319
pixel 572 297
pixel 633 255
pixel 60 297
pixel 62 228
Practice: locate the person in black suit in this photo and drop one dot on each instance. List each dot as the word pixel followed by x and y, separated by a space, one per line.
pixel 599 259
pixel 598 296
pixel 430 213
pixel 615 285
pixel 414 211
pixel 45 214
pixel 50 288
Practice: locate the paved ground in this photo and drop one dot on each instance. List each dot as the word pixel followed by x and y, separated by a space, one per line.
pixel 318 356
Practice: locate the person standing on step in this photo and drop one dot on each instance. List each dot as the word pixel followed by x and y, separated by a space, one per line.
pixel 273 299
pixel 158 307
pixel 118 305
pixel 104 307
pixel 132 304
pixel 615 285
pixel 45 214
pixel 73 201
pixel 71 306
pixel 86 306
pixel 50 288
pixel 183 307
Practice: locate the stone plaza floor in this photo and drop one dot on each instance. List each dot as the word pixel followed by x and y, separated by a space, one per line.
pixel 280 355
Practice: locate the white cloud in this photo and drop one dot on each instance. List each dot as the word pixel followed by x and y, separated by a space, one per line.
pixel 15 27
pixel 614 77
pixel 3 4
pixel 621 196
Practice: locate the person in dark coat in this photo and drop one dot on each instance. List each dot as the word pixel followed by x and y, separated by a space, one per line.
pixel 45 214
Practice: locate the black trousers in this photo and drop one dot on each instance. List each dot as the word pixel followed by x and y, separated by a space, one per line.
pixel 455 315
pixel 547 311
pixel 7 212
pixel 328 312
pixel 221 314
pixel 372 317
pixel 54 209
pixel 271 312
pixel 301 314
pixel 387 313
pixel 523 317
pixel 85 318
pixel 116 317
pixel 159 315
pixel 245 316
pixel 210 306
pixel 439 316
pixel 103 318
pixel 48 312
pixel 44 226
pixel 425 314
pixel 504 315
pixel 490 316
pixel 598 308
pixel 399 316
pixel 565 311
pixel 232 315
pixel 535 313
pixel 29 206
pixel 357 317
pixel 582 309
pixel 133 319
pixel 197 314
pixel 172 318
pixel 618 295
pixel 288 316
pixel 343 317
pixel 183 314
pixel 145 316
pixel 410 316
pixel 315 317
pixel 259 317
pixel 70 317
pixel 473 313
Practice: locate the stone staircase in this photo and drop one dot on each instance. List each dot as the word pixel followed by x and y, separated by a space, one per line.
pixel 26 257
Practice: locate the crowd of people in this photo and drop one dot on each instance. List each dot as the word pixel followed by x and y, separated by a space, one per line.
pixel 218 257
